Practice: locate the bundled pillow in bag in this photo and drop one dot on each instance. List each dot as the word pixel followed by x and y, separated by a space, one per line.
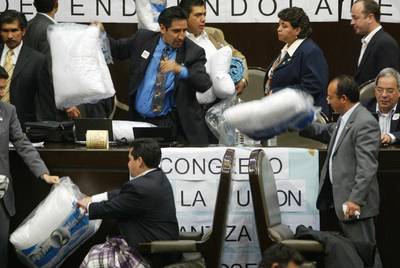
pixel 218 66
pixel 147 13
pixel 80 72
pixel 54 229
pixel 273 114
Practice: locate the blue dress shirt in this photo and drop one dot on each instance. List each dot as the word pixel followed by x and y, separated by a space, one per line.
pixel 145 92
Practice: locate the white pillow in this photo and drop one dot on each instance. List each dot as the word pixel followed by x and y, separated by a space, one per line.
pixel 217 67
pixel 80 73
pixel 206 97
pixel 222 82
pixel 270 116
pixel 123 129
pixel 55 228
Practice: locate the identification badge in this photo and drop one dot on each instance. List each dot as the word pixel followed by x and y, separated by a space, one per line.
pixel 396 116
pixel 145 54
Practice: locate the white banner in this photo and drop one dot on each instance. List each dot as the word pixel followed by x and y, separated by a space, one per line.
pixel 221 11
pixel 194 176
pixel 390 10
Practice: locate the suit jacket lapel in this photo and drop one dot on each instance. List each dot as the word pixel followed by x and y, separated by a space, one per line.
pixel 149 46
pixel 180 59
pixel 23 59
pixel 346 128
pixel 285 61
pixel 367 51
pixel 395 123
pixel 333 138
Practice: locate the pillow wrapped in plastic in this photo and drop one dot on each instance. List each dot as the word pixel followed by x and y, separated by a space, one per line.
pixel 123 130
pixel 218 67
pixel 272 115
pixel 224 133
pixel 80 72
pixel 54 229
pixel 147 13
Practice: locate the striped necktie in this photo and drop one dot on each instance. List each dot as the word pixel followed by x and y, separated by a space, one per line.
pixel 279 60
pixel 9 67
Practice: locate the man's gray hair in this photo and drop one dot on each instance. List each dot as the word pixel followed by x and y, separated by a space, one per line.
pixel 389 72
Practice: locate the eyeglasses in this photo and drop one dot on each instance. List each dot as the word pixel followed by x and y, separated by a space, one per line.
pixel 389 91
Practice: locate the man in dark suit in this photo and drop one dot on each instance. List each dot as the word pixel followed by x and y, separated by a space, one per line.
pixel 36 33
pixel 378 50
pixel 144 206
pixel 348 182
pixel 10 131
pixel 385 107
pixel 179 63
pixel 28 87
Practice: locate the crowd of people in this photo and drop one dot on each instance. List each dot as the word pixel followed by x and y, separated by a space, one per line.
pixel 167 70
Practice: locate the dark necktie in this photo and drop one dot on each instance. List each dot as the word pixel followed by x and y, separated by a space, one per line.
pixel 159 87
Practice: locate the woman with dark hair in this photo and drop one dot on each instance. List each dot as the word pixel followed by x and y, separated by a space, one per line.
pixel 301 64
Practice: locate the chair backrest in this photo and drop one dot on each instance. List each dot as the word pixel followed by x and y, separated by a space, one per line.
pixel 293 138
pixel 265 201
pixel 211 248
pixel 255 87
pixel 367 91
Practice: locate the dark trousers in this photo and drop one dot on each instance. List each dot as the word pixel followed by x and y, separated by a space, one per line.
pixel 172 122
pixel 4 229
pixel 362 231
pixel 358 230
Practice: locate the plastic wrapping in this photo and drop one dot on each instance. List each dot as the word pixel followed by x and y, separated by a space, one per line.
pixel 272 115
pixel 54 229
pixel 226 134
pixel 147 13
pixel 80 72
pixel 236 70
pixel 106 48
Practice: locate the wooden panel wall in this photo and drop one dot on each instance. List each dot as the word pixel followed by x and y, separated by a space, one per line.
pixel 259 43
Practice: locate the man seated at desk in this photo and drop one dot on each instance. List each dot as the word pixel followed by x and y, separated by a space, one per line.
pixel 385 106
pixel 144 207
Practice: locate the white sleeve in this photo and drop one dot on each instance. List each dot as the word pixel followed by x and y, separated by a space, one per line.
pixel 98 198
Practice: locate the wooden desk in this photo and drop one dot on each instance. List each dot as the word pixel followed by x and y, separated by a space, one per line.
pixel 99 171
